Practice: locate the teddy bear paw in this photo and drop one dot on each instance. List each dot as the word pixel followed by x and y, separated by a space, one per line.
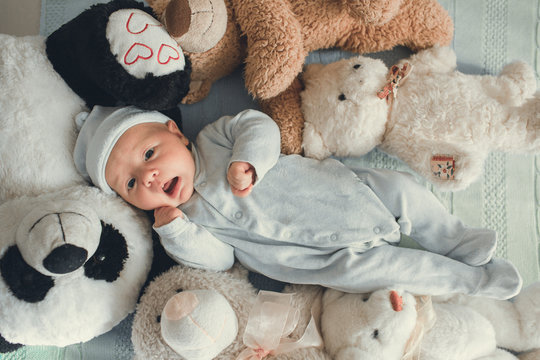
pixel 313 143
pixel 518 82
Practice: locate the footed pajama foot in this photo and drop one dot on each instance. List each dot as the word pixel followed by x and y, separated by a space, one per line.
pixel 476 248
pixel 500 280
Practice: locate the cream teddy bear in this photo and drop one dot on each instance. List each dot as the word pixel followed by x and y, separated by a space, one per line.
pixel 441 122
pixel 193 314
pixel 392 326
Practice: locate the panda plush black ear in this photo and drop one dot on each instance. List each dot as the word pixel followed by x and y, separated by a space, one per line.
pixel 117 54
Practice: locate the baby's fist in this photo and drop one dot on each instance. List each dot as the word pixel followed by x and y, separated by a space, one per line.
pixel 241 176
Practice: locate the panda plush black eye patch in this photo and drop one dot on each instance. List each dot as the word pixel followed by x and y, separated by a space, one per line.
pixel 23 281
pixel 108 260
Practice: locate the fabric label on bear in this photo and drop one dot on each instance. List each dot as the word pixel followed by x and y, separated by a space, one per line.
pixel 443 166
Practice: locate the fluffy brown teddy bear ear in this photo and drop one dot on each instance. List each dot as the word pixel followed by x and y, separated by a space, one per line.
pixel 197 26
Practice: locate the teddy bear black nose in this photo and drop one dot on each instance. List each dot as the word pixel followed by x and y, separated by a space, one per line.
pixel 65 259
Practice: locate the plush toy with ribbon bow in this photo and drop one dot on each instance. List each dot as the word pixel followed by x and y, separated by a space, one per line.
pixel 395 325
pixel 439 121
pixel 195 314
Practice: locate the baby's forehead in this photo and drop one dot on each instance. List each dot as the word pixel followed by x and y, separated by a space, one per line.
pixel 143 130
pixel 133 137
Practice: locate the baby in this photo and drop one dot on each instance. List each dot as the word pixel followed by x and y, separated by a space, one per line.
pixel 290 218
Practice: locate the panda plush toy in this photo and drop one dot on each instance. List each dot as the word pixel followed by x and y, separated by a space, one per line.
pixel 73 260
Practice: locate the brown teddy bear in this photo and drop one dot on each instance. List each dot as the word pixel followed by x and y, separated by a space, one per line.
pixel 274 37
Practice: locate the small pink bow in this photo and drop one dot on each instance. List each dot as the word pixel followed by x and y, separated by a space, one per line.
pixel 395 75
pixel 271 320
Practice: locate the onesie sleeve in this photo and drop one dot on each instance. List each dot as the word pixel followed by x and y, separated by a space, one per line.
pixel 253 137
pixel 192 245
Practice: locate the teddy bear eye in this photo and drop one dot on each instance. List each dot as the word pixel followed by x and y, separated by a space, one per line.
pixel 342 97
pixel 375 334
pixel 356 66
pixel 365 298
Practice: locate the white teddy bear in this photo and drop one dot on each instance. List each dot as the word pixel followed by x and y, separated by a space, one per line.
pixel 441 122
pixel 388 325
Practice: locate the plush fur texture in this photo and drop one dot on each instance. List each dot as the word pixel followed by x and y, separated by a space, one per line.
pixel 438 111
pixel 80 52
pixel 40 309
pixel 358 327
pixel 234 286
pixel 29 89
pixel 72 260
pixel 273 38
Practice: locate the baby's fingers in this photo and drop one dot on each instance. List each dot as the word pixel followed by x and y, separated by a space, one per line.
pixel 242 193
pixel 166 214
pixel 241 175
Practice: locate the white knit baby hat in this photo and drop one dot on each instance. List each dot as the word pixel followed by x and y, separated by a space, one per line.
pixel 99 130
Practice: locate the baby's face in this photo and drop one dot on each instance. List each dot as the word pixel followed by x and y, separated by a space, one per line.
pixel 151 167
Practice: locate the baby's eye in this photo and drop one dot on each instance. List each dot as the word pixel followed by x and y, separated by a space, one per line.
pixel 131 183
pixel 148 154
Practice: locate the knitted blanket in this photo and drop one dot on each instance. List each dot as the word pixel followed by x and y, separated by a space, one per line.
pixel 488 34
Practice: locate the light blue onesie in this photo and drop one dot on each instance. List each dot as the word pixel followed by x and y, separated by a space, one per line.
pixel 317 222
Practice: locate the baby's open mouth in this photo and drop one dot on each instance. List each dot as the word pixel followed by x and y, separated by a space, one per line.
pixel 170 185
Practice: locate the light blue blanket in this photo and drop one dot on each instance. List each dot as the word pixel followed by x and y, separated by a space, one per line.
pixel 488 34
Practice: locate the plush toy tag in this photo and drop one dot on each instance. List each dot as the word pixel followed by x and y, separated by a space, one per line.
pixel 396 75
pixel 443 166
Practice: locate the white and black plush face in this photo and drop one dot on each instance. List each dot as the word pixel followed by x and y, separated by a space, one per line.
pixel 97 287
pixel 117 53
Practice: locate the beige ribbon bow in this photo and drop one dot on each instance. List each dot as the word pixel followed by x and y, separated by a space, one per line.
pixel 271 320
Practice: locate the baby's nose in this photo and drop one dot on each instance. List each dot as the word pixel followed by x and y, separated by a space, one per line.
pixel 150 176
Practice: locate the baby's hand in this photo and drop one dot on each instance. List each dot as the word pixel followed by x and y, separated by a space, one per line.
pixel 166 214
pixel 241 177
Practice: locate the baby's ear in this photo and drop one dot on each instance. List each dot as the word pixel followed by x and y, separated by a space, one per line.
pixel 171 125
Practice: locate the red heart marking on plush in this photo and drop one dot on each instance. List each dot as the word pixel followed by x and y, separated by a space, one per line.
pixel 137 24
pixel 137 51
pixel 167 53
